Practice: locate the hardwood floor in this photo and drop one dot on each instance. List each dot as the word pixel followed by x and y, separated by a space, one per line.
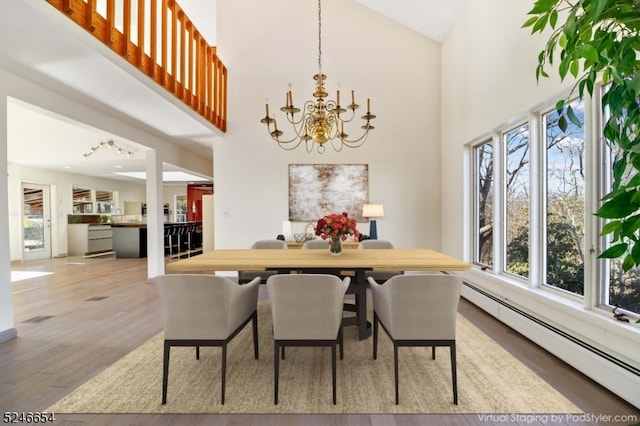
pixel 85 314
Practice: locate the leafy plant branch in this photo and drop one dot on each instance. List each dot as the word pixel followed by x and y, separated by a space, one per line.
pixel 599 44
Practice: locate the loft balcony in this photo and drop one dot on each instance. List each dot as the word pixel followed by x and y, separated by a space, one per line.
pixel 159 39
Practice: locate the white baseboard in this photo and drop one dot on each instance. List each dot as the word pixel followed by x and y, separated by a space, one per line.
pixel 8 334
pixel 602 367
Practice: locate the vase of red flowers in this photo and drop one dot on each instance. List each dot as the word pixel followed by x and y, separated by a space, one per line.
pixel 336 228
pixel 335 248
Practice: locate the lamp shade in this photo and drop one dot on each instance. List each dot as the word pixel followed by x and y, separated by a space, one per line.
pixel 372 210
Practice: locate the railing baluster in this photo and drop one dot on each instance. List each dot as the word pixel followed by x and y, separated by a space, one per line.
pixel 183 30
pixel 192 70
pixel 174 46
pixel 165 12
pixel 126 27
pixel 191 64
pixel 153 42
pixel 141 28
pixel 203 68
pixel 91 13
pixel 66 6
pixel 111 17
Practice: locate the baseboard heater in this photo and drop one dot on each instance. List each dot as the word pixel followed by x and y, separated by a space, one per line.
pixel 630 368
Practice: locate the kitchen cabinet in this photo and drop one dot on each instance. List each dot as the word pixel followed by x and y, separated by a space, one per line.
pixel 130 240
pixel 89 239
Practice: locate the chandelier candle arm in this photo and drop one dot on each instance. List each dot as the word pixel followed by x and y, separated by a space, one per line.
pixel 320 121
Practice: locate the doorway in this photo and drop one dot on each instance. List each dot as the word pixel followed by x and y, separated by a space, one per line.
pixel 36 222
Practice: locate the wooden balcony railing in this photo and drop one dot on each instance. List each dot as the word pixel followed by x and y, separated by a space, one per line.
pixel 159 39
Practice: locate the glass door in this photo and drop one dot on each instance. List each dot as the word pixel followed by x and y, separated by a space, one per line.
pixel 36 222
pixel 180 208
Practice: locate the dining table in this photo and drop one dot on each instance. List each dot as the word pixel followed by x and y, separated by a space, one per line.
pixel 352 263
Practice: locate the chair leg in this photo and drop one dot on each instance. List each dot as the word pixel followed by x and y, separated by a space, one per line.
pixel 276 370
pixel 282 352
pixel 223 373
pixel 197 352
pixel 375 336
pixel 333 371
pixel 433 352
pixel 454 376
pixel 395 370
pixel 165 372
pixel 254 321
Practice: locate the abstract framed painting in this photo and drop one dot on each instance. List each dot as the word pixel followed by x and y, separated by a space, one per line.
pixel 319 189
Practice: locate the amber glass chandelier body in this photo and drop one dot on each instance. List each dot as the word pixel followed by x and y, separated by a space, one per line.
pixel 321 120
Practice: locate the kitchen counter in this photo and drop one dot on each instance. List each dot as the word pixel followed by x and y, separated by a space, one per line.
pixel 128 225
pixel 130 238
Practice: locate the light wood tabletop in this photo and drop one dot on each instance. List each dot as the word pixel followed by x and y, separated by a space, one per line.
pixel 248 259
pixel 353 263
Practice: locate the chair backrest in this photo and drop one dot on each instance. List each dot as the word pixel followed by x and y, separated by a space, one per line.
pixel 418 307
pixel 316 244
pixel 269 244
pixel 199 306
pixel 375 244
pixel 306 306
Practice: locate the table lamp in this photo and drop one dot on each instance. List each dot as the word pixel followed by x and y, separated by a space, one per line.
pixel 372 211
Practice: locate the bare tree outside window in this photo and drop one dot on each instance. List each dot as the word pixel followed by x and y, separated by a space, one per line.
pixel 516 145
pixel 564 203
pixel 483 204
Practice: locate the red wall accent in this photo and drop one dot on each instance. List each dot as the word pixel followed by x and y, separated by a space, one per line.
pixel 194 200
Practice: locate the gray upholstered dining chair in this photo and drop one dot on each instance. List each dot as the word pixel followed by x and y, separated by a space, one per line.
pixel 205 310
pixel 246 276
pixel 380 276
pixel 417 310
pixel 315 244
pixel 307 311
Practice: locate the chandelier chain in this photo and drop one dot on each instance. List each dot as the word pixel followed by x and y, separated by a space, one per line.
pixel 319 37
pixel 323 120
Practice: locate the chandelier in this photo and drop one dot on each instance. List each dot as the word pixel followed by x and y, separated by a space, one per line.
pixel 322 120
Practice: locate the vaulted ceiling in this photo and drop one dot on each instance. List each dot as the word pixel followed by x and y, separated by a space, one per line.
pixel 58 58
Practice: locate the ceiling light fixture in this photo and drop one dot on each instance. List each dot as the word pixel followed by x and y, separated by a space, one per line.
pixel 321 121
pixel 110 144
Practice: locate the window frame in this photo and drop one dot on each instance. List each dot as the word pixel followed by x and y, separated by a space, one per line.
pixel 537 188
pixel 476 253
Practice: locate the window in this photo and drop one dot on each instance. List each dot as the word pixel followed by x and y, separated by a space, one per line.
pixel 180 208
pixel 516 182
pixel 104 201
pixel 563 218
pixel 82 200
pixel 619 288
pixel 483 204
pixel 540 197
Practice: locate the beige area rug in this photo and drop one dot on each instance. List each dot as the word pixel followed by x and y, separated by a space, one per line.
pixel 490 380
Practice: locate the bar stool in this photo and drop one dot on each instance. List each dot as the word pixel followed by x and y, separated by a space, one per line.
pixel 167 240
pixel 175 239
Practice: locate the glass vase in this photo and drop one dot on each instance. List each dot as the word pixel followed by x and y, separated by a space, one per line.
pixel 336 247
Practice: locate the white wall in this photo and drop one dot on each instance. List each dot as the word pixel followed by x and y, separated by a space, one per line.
pixel 488 68
pixel 488 64
pixel 276 44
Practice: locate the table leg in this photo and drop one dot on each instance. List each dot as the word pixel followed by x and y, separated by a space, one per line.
pixel 364 326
